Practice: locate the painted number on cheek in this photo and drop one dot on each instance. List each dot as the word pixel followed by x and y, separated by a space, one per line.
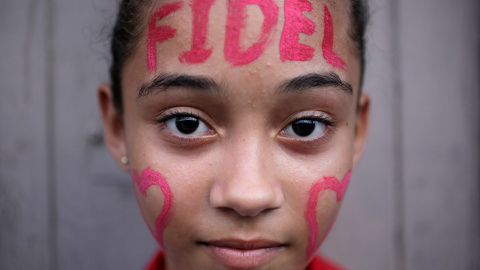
pixel 148 179
pixel 331 183
pixel 289 49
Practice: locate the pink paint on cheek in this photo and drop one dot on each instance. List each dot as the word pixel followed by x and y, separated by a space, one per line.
pixel 235 23
pixel 295 24
pixel 148 179
pixel 198 54
pixel 159 33
pixel 331 183
pixel 327 44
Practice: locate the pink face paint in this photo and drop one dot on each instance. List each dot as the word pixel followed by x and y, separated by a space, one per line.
pixel 159 33
pixel 198 54
pixel 327 44
pixel 295 24
pixel 148 179
pixel 331 183
pixel 235 23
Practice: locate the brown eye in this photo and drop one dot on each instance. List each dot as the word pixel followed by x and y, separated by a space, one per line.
pixel 305 129
pixel 187 126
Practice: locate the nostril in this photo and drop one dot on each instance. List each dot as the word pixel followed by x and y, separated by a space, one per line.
pixel 252 212
pixel 242 212
pixel 246 202
pixel 254 204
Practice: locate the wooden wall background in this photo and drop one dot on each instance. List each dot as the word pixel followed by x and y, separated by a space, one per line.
pixel 413 203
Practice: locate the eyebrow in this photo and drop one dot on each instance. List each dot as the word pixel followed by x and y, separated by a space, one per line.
pixel 312 80
pixel 165 80
pixel 301 83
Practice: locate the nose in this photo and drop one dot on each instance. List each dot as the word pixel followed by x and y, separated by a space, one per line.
pixel 248 185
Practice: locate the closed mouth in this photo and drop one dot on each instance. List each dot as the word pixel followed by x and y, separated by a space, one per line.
pixel 241 254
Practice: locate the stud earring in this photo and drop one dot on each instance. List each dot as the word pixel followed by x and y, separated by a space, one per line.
pixel 124 160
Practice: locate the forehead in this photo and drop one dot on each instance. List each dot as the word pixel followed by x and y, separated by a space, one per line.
pixel 245 40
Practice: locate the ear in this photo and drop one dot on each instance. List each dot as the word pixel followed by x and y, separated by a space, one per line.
pixel 361 127
pixel 113 128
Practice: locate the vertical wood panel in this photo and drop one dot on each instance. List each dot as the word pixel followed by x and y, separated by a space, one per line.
pixel 440 52
pixel 363 236
pixel 23 175
pixel 99 224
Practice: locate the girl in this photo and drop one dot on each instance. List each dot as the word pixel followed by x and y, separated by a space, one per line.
pixel 240 122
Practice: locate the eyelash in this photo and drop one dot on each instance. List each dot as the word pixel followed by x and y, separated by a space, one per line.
pixel 172 114
pixel 316 117
pixel 162 119
pixel 330 126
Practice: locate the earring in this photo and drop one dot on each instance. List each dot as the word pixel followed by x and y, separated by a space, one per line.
pixel 124 160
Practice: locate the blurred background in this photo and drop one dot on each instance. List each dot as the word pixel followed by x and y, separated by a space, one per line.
pixel 413 203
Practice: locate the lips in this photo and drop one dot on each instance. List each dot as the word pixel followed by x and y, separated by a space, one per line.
pixel 243 254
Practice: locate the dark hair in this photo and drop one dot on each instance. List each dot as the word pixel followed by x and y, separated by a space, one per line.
pixel 126 34
pixel 360 17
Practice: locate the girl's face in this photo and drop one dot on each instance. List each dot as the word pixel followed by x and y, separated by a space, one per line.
pixel 239 158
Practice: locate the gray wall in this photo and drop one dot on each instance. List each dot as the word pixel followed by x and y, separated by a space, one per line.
pixel 413 202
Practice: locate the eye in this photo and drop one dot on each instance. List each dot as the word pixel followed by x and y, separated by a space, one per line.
pixel 305 128
pixel 187 125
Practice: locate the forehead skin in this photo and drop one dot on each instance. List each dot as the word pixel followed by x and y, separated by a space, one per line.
pixel 267 70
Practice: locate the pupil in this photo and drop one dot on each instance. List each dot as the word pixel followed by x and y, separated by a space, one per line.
pixel 187 124
pixel 303 127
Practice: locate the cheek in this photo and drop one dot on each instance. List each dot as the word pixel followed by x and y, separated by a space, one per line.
pixel 157 207
pixel 323 208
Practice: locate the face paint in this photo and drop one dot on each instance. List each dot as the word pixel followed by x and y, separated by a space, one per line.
pixel 290 49
pixel 198 54
pixel 331 183
pixel 159 33
pixel 295 24
pixel 148 179
pixel 235 23
pixel 327 44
